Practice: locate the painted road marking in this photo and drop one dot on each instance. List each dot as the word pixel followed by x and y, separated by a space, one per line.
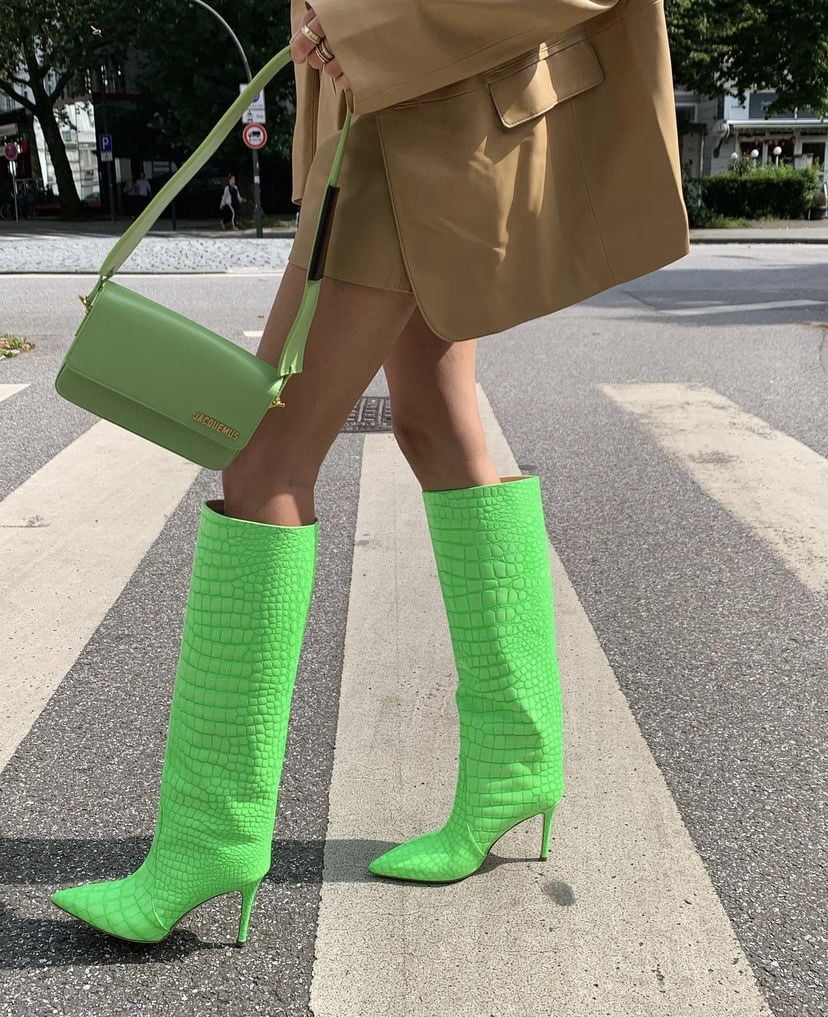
pixel 770 482
pixel 7 391
pixel 621 920
pixel 253 335
pixel 71 537
pixel 730 308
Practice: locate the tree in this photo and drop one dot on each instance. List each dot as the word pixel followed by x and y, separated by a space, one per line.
pixel 191 74
pixel 731 46
pixel 47 44
pixel 193 69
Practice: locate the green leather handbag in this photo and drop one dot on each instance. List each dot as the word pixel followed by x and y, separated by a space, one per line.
pixel 158 374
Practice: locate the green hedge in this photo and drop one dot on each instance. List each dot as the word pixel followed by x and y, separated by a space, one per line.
pixel 766 192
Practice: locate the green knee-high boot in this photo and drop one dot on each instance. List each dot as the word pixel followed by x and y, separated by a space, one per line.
pixel 244 625
pixel 492 557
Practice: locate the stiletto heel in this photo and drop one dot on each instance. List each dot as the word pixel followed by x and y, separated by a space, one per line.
pixel 248 894
pixel 547 833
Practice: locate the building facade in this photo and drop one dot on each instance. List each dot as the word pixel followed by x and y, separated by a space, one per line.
pixel 102 105
pixel 713 131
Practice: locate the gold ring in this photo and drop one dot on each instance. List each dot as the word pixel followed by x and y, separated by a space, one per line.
pixel 310 34
pixel 324 51
pixel 324 57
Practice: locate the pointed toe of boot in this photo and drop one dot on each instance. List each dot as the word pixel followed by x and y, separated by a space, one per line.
pixel 118 908
pixel 430 858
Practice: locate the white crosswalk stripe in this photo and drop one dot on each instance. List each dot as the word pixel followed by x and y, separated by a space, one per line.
pixel 621 920
pixel 726 307
pixel 7 391
pixel 71 537
pixel 771 482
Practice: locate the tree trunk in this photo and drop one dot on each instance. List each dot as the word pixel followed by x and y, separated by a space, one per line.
pixel 67 191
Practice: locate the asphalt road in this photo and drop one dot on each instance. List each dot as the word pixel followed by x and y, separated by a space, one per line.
pixel 707 592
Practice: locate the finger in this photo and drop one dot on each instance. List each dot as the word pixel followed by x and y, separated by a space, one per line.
pixel 301 46
pixel 315 60
pixel 333 69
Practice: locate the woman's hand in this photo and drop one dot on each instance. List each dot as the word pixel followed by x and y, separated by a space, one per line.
pixel 302 48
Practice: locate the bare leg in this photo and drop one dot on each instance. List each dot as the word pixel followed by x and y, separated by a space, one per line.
pixel 355 328
pixel 434 409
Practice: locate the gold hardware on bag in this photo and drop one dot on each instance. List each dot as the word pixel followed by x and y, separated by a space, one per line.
pixel 277 402
pixel 86 303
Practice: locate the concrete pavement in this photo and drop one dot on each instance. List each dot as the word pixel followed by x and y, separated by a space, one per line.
pixel 685 878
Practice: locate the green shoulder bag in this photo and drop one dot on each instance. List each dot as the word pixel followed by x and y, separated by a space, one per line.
pixel 158 374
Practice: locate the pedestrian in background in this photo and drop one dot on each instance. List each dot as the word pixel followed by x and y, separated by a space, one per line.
pixel 230 204
pixel 141 193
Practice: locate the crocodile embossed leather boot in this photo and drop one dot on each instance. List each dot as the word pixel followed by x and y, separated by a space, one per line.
pixel 492 555
pixel 244 624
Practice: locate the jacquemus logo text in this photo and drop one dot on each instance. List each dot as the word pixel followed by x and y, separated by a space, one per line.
pixel 202 418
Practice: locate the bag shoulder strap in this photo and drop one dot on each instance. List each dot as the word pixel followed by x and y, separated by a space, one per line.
pixel 290 361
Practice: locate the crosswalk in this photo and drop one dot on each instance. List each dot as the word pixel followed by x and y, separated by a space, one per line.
pixel 623 919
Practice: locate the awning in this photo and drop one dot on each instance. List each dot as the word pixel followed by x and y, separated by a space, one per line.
pixel 786 126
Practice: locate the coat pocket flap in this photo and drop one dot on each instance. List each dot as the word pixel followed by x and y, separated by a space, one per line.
pixel 521 93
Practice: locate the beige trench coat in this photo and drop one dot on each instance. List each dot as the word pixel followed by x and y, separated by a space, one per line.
pixel 528 148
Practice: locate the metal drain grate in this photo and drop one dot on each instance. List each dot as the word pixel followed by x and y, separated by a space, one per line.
pixel 371 413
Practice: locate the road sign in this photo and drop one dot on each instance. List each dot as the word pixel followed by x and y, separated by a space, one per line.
pixel 255 113
pixel 254 136
pixel 105 144
pixel 11 151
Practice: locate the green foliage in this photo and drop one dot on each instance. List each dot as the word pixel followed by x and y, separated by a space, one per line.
pixel 192 69
pixel 698 214
pixel 190 73
pixel 47 43
pixel 767 192
pixel 11 345
pixel 57 35
pixel 731 46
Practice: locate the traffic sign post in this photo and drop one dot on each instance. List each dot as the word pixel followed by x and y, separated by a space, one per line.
pixel 11 152
pixel 106 150
pixel 254 136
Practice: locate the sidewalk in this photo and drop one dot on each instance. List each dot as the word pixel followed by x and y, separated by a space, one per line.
pixel 53 247
pixel 769 231
pixel 777 231
pixel 283 226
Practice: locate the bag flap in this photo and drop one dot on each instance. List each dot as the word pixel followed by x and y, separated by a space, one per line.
pixel 548 78
pixel 156 357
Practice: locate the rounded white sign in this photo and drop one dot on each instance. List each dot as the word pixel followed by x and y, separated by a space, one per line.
pixel 254 136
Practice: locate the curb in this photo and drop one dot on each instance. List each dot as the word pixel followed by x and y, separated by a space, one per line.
pixel 757 240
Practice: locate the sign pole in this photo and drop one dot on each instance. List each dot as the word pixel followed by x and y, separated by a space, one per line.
pixel 257 194
pixel 110 182
pixel 11 152
pixel 13 171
